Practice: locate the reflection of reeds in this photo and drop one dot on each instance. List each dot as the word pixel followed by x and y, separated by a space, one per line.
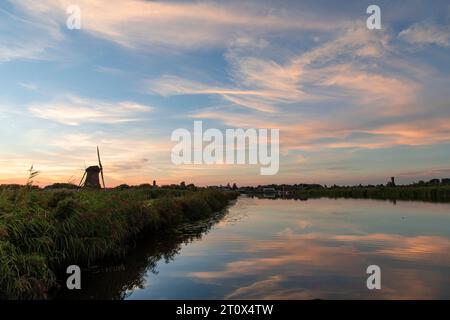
pixel 44 231
pixel 117 279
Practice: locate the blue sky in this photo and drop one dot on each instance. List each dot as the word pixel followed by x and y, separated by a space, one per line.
pixel 353 105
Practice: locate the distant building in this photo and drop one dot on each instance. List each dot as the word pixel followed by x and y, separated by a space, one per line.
pixel 269 192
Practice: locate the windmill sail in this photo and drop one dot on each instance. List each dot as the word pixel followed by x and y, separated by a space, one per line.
pixel 81 181
pixel 101 167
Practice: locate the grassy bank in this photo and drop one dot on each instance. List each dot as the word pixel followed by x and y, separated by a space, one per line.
pixel 426 193
pixel 44 231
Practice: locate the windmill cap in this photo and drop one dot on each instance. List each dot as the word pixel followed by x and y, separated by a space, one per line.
pixel 93 169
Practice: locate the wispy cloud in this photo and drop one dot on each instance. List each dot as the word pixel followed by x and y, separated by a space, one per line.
pixel 29 86
pixel 108 70
pixel 333 70
pixel 142 24
pixel 427 33
pixel 73 110
pixel 25 38
pixel 252 98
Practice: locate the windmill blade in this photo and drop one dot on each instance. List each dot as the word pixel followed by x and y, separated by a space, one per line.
pixel 103 179
pixel 81 181
pixel 99 161
pixel 101 167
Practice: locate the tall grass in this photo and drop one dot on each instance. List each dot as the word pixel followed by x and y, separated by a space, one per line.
pixel 44 231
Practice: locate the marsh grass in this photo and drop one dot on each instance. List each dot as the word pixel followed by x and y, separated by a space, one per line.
pixel 44 231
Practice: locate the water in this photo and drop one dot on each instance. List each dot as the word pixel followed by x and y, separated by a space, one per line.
pixel 291 249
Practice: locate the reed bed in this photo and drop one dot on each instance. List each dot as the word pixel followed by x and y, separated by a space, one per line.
pixel 44 231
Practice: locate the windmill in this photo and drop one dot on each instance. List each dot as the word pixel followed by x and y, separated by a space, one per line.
pixel 92 175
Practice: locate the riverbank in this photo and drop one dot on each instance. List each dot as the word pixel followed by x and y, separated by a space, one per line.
pixel 44 231
pixel 416 193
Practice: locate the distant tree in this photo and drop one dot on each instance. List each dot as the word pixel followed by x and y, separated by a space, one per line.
pixel 123 186
pixel 235 186
pixel 434 182
pixel 62 186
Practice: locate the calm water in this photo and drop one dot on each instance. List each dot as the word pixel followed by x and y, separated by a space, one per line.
pixel 288 249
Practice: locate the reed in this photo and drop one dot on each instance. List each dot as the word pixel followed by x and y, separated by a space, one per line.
pixel 44 231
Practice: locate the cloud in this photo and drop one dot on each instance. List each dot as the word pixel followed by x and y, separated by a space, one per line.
pixel 258 84
pixel 73 110
pixel 389 93
pixel 350 42
pixel 108 70
pixel 169 85
pixel 29 86
pixel 142 25
pixel 334 70
pixel 25 38
pixel 426 33
pixel 255 99
pixel 342 130
pixel 378 104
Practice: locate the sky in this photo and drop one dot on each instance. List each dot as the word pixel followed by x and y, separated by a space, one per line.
pixel 353 105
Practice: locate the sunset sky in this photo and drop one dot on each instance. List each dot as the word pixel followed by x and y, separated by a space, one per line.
pixel 353 105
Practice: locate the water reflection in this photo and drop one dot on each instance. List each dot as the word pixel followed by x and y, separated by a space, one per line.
pixel 287 249
pixel 299 266
pixel 118 280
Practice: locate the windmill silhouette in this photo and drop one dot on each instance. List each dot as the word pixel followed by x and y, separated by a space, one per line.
pixel 91 176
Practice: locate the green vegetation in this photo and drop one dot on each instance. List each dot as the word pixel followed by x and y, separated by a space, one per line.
pixel 44 231
pixel 438 193
pixel 434 190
